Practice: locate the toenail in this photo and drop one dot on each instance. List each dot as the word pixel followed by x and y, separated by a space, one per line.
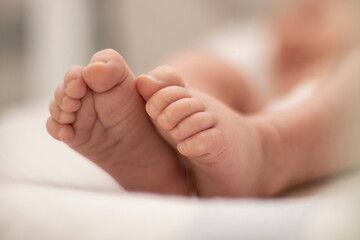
pixel 181 147
pixel 163 118
pixel 61 116
pixel 70 84
pixel 152 77
pixel 63 100
pixel 61 134
pixel 100 62
pixel 150 108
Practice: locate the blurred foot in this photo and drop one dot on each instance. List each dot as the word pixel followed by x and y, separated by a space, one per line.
pixel 98 112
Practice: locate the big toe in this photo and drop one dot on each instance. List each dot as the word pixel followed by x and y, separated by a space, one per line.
pixel 106 69
pixel 161 77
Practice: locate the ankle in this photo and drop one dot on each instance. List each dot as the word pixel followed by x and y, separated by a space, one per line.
pixel 274 177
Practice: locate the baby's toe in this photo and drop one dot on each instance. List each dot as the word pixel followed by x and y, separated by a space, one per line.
pixel 66 103
pixel 192 125
pixel 59 115
pixel 159 78
pixel 168 76
pixel 106 69
pixel 163 98
pixel 59 131
pixel 74 85
pixel 178 111
pixel 202 143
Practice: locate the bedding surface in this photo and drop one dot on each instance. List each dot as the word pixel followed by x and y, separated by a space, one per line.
pixel 47 191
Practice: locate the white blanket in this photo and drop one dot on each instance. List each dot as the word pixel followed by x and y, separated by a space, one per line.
pixel 50 192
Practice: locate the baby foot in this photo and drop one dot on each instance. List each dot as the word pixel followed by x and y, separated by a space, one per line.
pixel 98 112
pixel 224 151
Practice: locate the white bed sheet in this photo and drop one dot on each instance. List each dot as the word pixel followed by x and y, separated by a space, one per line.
pixel 39 212
pixel 49 192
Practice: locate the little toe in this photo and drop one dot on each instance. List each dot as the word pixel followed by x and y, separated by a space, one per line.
pixel 106 69
pixel 157 79
pixel 178 111
pixel 74 85
pixel 192 125
pixel 59 131
pixel 59 115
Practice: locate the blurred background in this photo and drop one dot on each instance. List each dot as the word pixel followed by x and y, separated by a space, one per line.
pixel 40 39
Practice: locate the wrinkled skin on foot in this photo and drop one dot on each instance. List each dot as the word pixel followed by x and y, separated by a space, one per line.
pixel 98 112
pixel 223 151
